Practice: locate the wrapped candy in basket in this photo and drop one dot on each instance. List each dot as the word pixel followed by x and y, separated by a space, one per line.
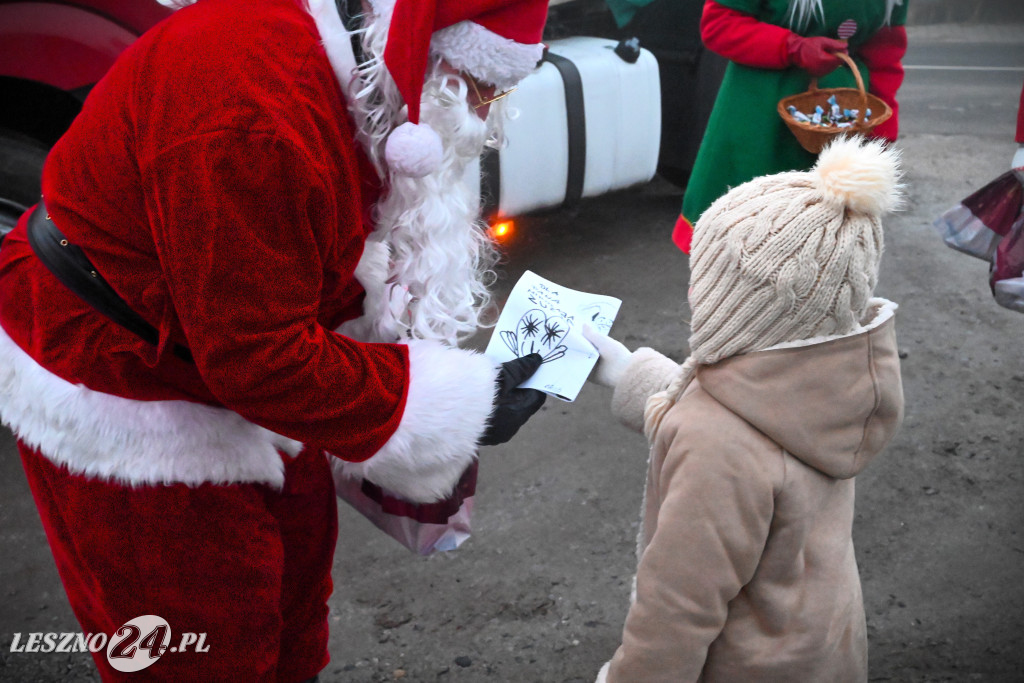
pixel 813 135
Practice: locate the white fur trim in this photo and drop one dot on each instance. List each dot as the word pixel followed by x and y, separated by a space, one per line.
pixel 451 393
pixel 883 310
pixel 491 58
pixel 337 43
pixel 413 150
pixel 372 269
pixel 371 272
pixel 111 438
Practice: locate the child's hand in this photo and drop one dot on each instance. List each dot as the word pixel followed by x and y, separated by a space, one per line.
pixel 613 361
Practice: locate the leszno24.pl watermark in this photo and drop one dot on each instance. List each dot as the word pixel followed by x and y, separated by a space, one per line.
pixel 133 647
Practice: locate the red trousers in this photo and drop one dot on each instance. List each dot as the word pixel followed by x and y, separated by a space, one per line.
pixel 248 565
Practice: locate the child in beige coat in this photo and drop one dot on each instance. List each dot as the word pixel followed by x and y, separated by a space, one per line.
pixel 746 562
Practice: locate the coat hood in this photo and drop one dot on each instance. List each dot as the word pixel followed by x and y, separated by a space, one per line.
pixel 831 402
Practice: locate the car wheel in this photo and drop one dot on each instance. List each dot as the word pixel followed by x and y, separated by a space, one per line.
pixel 21 169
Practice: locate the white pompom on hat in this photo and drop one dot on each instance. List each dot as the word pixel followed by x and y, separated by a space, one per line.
pixel 787 257
pixel 861 177
pixel 496 41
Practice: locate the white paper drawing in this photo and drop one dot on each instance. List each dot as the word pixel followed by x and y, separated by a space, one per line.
pixel 543 317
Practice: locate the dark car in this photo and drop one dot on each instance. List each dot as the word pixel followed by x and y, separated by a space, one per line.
pixel 52 55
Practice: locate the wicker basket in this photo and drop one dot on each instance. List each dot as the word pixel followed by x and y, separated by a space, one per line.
pixel 814 138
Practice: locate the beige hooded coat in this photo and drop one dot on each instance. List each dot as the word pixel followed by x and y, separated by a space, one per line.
pixel 747 569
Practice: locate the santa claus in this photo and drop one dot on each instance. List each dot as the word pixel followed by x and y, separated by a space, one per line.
pixel 287 226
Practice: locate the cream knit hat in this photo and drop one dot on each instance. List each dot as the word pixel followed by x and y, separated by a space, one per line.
pixel 787 257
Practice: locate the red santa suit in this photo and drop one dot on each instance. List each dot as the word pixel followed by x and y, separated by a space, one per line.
pixel 213 179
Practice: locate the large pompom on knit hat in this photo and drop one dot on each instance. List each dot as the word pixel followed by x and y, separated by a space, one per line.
pixel 787 257
pixel 496 41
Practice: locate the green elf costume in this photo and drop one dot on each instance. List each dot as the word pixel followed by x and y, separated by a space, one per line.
pixel 775 47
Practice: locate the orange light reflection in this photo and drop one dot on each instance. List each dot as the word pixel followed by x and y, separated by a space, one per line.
pixel 502 231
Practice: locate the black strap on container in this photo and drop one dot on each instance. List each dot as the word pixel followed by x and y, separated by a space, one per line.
pixel 72 267
pixel 490 182
pixel 576 123
pixel 576 126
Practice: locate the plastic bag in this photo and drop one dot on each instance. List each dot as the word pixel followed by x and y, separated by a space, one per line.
pixel 976 225
pixel 989 224
pixel 1007 272
pixel 421 527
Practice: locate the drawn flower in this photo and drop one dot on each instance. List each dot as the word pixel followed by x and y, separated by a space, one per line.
pixel 529 325
pixel 538 331
pixel 552 332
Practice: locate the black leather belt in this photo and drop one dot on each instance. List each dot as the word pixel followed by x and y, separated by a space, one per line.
pixel 72 267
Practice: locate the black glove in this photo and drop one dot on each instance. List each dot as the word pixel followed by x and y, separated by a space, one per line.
pixel 513 407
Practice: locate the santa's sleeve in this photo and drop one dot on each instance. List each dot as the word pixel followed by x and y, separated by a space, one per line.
pixel 883 55
pixel 450 396
pixel 740 37
pixel 245 227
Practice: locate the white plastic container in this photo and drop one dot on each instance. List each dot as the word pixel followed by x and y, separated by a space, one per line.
pixel 622 114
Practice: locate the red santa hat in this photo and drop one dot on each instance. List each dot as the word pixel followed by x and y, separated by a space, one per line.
pixel 496 41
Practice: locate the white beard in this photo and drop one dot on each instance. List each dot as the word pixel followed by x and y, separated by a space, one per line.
pixel 427 264
pixel 801 12
pixel 432 255
pixel 440 256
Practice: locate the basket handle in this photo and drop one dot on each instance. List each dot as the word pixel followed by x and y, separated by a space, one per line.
pixel 862 116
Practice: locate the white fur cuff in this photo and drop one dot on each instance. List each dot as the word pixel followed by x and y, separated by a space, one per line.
pixel 451 393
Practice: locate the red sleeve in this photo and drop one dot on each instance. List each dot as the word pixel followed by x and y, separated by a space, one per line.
pixel 241 226
pixel 883 55
pixel 740 37
pixel 1020 119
